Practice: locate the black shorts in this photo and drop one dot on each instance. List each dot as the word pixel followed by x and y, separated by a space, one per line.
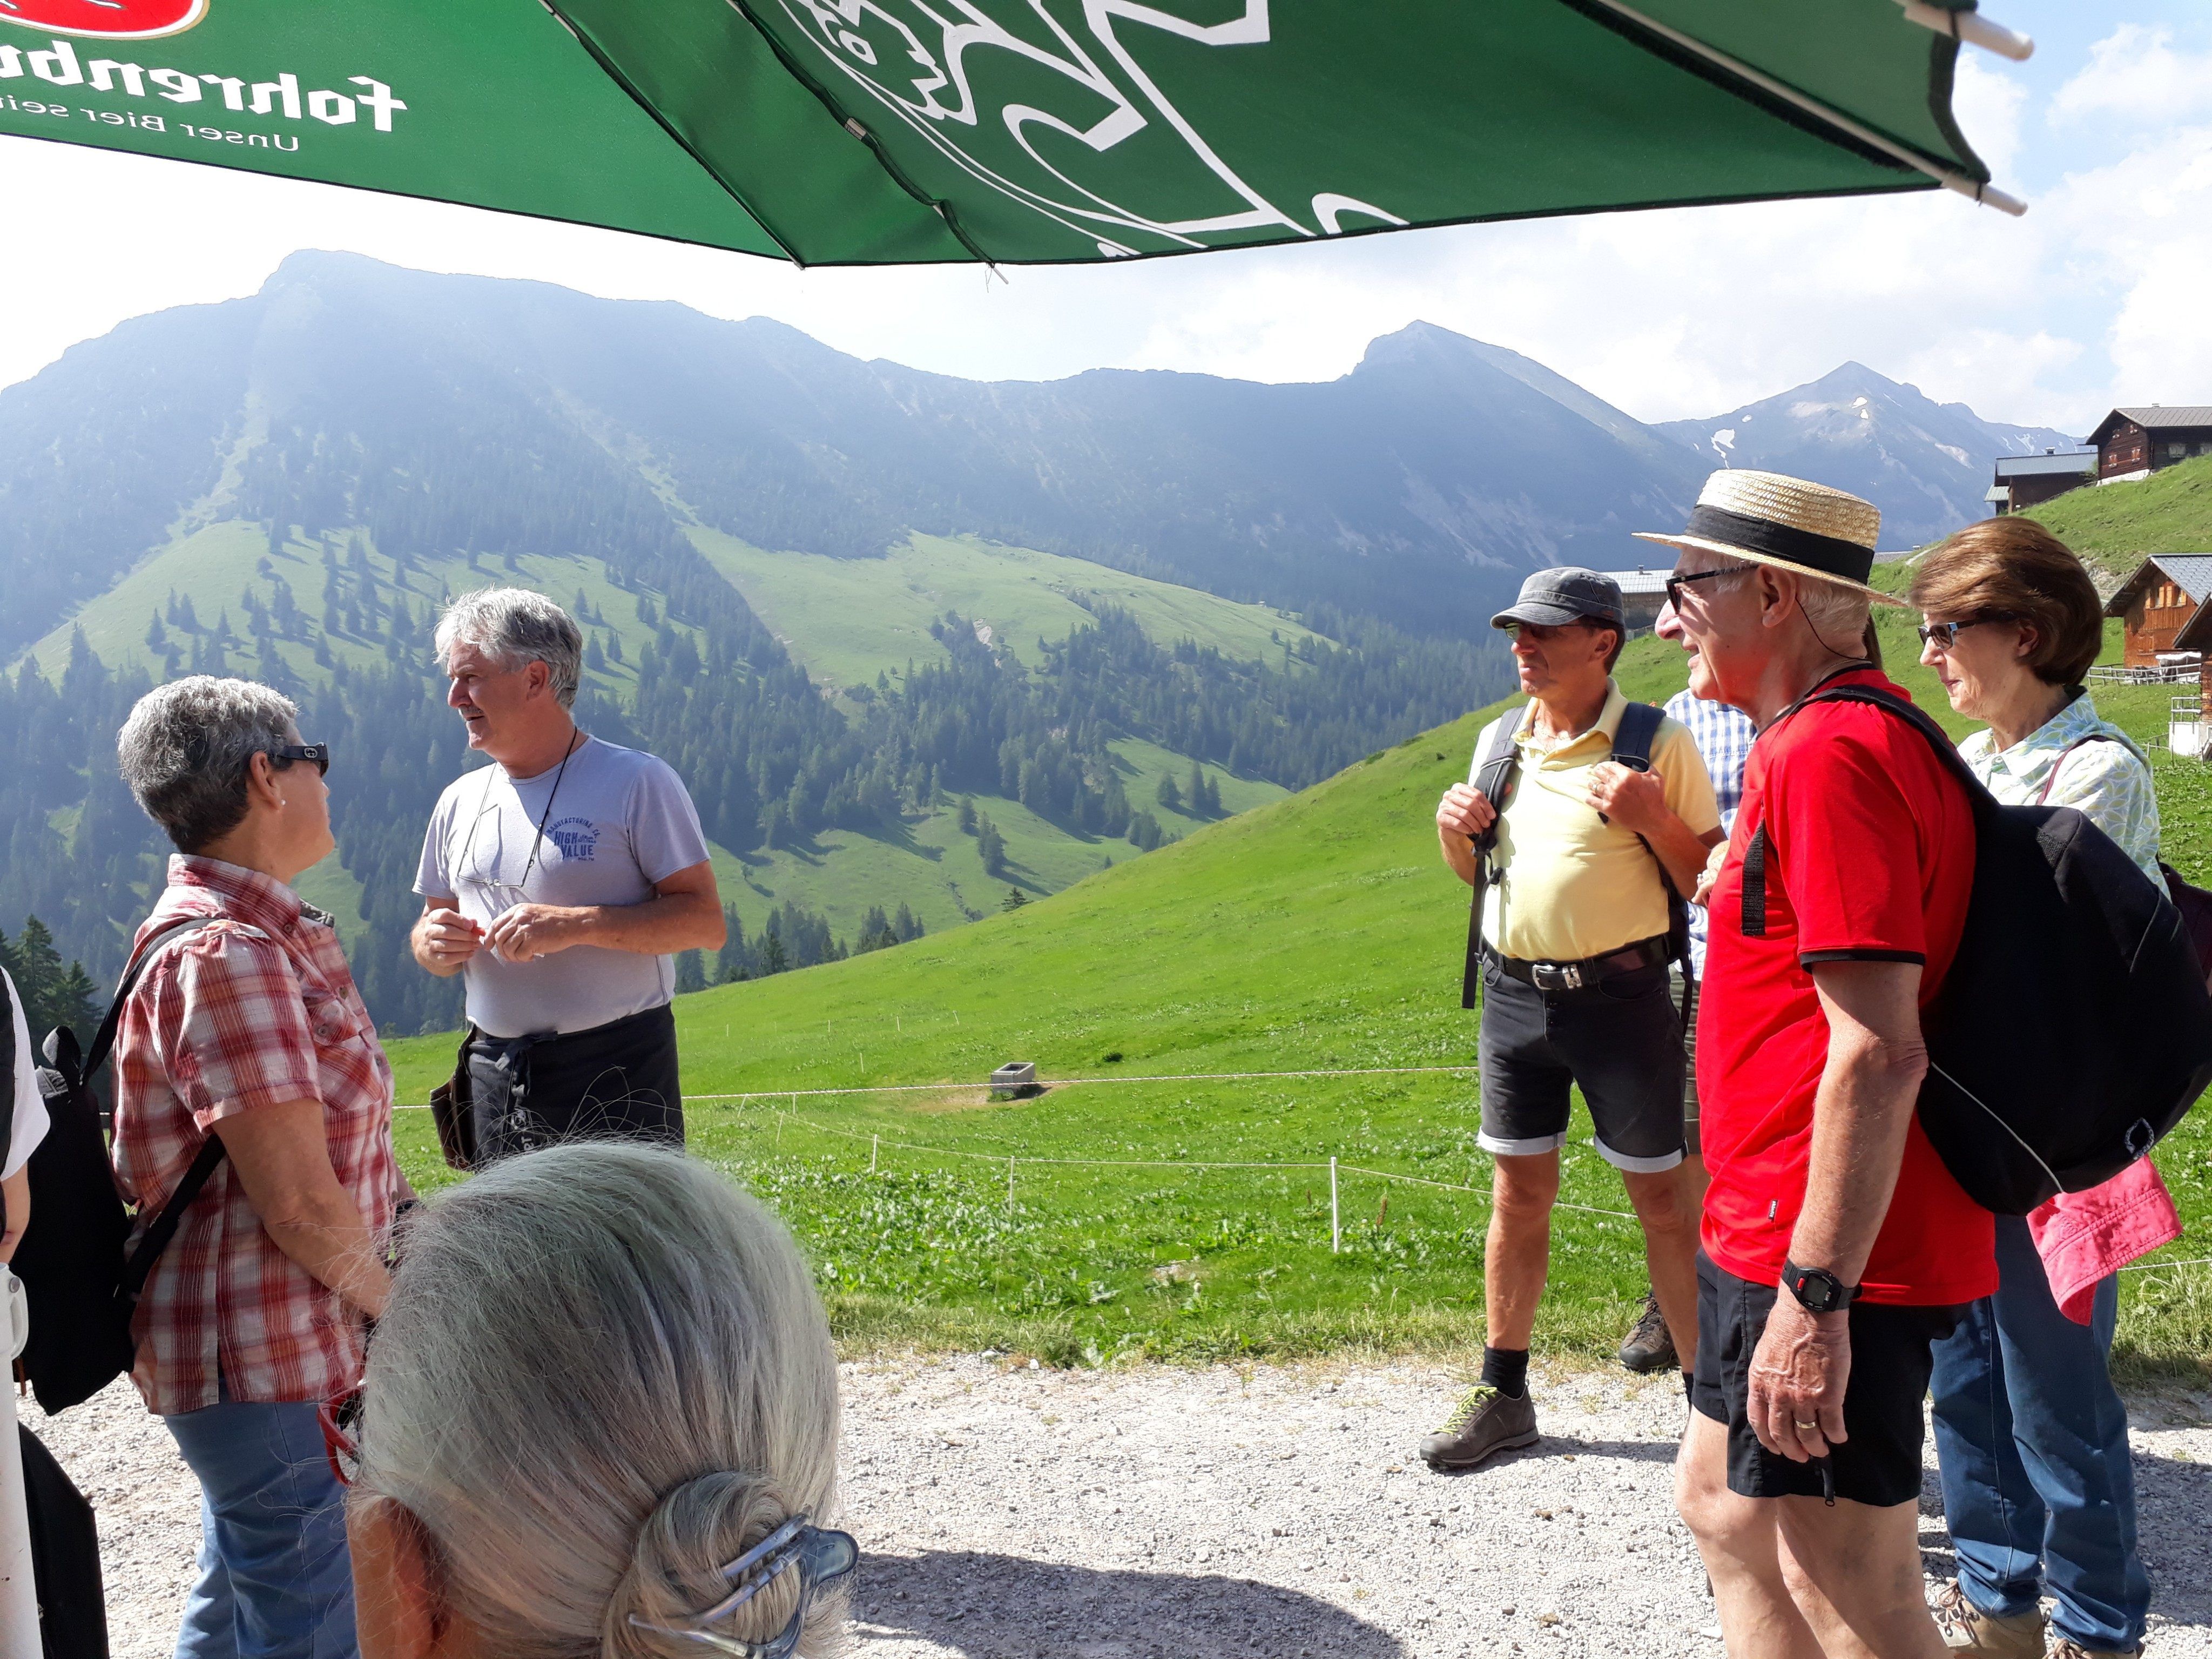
pixel 1621 1039
pixel 1890 1358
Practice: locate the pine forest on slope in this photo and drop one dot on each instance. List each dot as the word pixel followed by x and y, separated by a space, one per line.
pixel 913 642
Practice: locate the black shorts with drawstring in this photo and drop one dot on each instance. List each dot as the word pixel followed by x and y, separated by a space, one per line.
pixel 1892 1356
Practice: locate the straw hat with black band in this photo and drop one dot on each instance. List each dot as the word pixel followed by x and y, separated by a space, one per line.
pixel 1768 519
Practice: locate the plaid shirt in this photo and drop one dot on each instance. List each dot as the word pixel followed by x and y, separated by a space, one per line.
pixel 1723 736
pixel 255 1011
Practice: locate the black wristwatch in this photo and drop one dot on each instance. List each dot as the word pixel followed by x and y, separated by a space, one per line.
pixel 1816 1291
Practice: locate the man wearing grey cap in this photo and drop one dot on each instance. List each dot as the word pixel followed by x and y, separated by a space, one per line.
pixel 1583 819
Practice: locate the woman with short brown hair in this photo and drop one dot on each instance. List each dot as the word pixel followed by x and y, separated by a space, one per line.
pixel 2030 1433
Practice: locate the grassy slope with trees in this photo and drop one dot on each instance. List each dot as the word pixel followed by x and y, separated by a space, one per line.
pixel 1319 933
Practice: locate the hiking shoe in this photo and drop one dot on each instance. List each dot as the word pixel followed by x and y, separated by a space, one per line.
pixel 1483 1424
pixel 1650 1346
pixel 1965 1628
pixel 2066 1648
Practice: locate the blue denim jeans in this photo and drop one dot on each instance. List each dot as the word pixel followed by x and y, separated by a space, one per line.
pixel 2032 1439
pixel 275 1581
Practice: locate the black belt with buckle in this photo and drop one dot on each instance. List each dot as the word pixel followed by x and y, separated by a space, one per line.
pixel 1588 972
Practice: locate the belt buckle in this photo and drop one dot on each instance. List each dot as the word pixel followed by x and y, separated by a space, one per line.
pixel 1558 976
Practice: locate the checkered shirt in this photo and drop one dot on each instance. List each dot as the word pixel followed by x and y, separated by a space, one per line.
pixel 1723 736
pixel 255 1011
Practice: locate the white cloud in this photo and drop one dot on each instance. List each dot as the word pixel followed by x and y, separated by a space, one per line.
pixel 2135 74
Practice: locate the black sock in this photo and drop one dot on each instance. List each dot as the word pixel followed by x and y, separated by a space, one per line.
pixel 1506 1369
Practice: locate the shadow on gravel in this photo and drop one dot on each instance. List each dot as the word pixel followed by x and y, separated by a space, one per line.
pixel 988 1605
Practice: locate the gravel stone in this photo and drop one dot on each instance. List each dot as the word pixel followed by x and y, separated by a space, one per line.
pixel 1006 1511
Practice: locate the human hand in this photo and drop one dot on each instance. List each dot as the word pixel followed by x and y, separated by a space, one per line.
pixel 530 931
pixel 1634 800
pixel 1703 896
pixel 1464 810
pixel 451 938
pixel 1798 1374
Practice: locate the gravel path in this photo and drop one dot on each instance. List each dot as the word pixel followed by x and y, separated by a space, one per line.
pixel 1007 1511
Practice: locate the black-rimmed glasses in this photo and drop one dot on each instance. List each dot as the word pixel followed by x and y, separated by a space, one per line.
pixel 1676 584
pixel 317 753
pixel 1944 635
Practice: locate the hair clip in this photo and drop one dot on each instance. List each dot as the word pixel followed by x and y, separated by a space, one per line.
pixel 821 1557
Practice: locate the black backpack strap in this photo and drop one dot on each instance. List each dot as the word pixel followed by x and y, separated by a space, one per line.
pixel 1639 730
pixel 1493 772
pixel 156 1237
pixel 1757 854
pixel 164 1228
pixel 103 1039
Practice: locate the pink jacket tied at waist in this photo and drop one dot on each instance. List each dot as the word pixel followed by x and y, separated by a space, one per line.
pixel 2086 1238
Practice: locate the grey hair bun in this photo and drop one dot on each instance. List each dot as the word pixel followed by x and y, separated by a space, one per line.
pixel 604 1374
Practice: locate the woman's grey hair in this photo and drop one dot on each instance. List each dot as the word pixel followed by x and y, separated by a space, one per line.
pixel 517 628
pixel 603 1375
pixel 185 750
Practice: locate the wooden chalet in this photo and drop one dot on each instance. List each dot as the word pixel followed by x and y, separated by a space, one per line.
pixel 2024 481
pixel 1642 592
pixel 2157 606
pixel 2133 443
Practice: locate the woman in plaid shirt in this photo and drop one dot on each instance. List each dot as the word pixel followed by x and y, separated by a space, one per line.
pixel 251 1030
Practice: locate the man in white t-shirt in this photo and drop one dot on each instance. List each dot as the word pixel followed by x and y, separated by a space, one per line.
pixel 561 880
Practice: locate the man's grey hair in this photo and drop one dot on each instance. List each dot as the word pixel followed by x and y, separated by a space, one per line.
pixel 516 627
pixel 1839 614
pixel 603 1375
pixel 186 749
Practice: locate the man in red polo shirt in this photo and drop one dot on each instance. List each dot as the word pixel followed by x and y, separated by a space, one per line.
pixel 1837 1246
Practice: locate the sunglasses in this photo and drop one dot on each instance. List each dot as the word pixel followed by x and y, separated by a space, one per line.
pixel 1944 635
pixel 319 753
pixel 1676 584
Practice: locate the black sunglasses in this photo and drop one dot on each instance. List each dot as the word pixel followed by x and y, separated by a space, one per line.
pixel 319 753
pixel 1676 584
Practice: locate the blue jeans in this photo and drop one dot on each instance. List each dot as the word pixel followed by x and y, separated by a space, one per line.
pixel 2034 1444
pixel 275 1581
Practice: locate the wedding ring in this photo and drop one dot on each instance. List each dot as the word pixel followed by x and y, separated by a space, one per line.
pixel 1801 1426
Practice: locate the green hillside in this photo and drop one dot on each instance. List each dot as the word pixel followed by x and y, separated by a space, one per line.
pixel 850 619
pixel 1318 934
pixel 2116 525
pixel 815 602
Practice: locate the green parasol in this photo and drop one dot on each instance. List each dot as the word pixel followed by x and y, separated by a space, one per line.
pixel 1015 132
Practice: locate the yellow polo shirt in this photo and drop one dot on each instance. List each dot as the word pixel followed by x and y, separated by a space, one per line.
pixel 1568 884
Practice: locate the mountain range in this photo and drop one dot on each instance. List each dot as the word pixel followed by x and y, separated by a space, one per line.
pixel 874 613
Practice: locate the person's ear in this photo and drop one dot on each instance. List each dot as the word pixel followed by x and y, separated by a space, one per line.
pixel 1775 594
pixel 540 676
pixel 2030 638
pixel 399 1593
pixel 261 781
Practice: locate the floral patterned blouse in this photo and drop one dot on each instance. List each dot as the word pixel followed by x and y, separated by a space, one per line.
pixel 2108 783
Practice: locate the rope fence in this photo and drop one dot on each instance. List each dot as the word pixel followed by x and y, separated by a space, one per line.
pixel 877 1144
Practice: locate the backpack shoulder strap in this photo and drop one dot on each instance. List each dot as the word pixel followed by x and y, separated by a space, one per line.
pixel 1493 772
pixel 1947 755
pixel 103 1039
pixel 1639 730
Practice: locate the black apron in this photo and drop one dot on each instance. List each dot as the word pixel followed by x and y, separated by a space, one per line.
pixel 615 1082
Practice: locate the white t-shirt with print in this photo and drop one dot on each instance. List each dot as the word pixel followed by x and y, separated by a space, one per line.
pixel 28 1105
pixel 617 823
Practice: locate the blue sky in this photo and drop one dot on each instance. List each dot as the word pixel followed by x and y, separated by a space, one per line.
pixel 2096 296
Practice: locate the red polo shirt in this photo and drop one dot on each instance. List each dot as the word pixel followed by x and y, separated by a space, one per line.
pixel 1871 856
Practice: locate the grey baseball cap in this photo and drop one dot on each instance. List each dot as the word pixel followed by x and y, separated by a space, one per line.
pixel 1566 593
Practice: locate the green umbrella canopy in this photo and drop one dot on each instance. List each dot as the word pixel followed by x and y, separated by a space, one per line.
pixel 1016 131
